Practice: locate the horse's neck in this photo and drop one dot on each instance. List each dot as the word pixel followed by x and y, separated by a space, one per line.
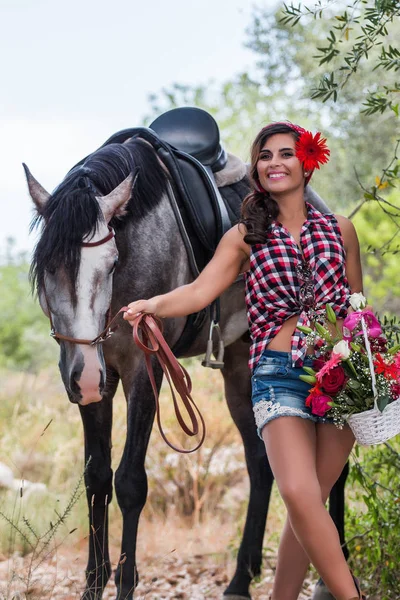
pixel 155 254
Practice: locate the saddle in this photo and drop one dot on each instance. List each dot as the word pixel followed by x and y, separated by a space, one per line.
pixel 187 141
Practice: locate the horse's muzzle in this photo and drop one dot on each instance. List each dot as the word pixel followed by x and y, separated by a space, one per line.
pixel 90 399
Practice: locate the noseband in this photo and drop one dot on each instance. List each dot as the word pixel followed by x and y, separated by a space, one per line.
pixel 108 330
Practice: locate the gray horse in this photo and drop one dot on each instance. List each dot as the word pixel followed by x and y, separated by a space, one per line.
pixel 83 272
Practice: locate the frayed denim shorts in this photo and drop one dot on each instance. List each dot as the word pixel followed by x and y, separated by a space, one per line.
pixel 277 390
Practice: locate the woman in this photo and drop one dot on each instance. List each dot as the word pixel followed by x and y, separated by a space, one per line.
pixel 295 260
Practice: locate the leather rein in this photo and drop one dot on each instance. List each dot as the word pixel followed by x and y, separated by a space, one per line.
pixel 147 335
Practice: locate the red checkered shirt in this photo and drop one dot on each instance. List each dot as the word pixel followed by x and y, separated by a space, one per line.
pixel 272 286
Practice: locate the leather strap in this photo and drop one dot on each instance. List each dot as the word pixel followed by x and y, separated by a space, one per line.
pixel 147 335
pixel 109 236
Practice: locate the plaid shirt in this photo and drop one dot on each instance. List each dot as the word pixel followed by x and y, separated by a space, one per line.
pixel 272 286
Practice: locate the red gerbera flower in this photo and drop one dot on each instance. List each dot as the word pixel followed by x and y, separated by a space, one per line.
pixel 312 150
pixel 389 370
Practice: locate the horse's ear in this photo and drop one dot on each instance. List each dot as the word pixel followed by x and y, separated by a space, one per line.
pixel 114 204
pixel 38 194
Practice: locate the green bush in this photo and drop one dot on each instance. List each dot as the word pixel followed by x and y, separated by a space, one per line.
pixel 373 519
pixel 24 329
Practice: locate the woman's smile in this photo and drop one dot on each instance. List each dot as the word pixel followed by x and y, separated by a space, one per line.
pixel 276 175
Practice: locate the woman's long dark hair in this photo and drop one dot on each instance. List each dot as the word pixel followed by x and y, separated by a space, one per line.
pixel 258 208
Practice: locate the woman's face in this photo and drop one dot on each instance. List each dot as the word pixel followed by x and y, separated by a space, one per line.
pixel 279 170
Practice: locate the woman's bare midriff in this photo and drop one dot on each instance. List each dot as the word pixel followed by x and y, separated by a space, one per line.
pixel 282 342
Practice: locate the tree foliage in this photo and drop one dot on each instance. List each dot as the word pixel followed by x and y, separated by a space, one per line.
pixel 373 534
pixel 379 237
pixel 280 86
pixel 23 327
pixel 367 24
pixel 363 35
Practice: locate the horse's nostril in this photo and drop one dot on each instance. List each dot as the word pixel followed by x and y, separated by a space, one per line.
pixel 75 375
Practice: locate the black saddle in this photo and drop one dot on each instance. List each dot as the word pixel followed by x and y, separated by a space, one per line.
pixel 193 131
pixel 187 142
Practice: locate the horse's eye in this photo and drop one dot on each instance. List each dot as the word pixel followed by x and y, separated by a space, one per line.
pixel 114 265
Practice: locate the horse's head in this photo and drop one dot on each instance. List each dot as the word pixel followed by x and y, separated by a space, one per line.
pixel 72 270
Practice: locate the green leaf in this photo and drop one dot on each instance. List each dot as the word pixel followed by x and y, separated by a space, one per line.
pixel 354 384
pixel 308 378
pixel 322 331
pixel 330 314
pixel 304 329
pixel 309 370
pixel 394 349
pixel 382 402
pixel 369 196
pixel 350 364
pixel 355 347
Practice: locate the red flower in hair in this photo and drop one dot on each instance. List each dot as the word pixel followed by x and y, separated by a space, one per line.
pixel 312 150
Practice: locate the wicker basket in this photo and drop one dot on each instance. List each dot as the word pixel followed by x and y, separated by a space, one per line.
pixel 373 426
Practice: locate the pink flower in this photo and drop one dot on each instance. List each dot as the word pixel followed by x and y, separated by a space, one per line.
pixel 320 404
pixel 334 360
pixel 352 320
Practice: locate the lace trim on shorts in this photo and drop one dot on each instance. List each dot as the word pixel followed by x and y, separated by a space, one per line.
pixel 266 410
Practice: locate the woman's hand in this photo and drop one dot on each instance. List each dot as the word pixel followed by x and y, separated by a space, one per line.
pixel 140 306
pixel 230 256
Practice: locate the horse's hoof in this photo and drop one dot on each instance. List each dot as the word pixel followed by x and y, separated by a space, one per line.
pixel 321 592
pixel 235 597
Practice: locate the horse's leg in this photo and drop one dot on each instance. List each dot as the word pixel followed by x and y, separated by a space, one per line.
pixel 238 395
pixel 97 423
pixel 336 510
pixel 130 477
pixel 336 507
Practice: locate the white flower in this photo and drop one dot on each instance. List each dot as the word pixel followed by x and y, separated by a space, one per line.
pixel 358 301
pixel 342 348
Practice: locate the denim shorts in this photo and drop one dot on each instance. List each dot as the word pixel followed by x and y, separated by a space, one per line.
pixel 277 390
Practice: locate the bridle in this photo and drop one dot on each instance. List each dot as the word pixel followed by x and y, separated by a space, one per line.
pixel 108 329
pixel 147 335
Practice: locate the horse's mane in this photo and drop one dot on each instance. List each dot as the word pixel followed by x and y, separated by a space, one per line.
pixel 72 212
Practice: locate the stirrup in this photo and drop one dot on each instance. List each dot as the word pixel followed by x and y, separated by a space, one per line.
pixel 208 361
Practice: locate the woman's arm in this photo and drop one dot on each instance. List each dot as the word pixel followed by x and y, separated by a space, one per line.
pixel 353 258
pixel 228 261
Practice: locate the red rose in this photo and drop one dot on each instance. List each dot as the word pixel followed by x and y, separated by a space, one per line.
pixel 319 404
pixel 395 389
pixel 318 363
pixel 379 344
pixel 334 380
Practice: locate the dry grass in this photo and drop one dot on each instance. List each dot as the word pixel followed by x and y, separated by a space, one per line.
pixel 42 441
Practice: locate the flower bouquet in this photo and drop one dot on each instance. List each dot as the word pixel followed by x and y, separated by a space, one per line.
pixel 356 376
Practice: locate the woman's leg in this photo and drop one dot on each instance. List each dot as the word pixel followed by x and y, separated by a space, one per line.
pixel 332 449
pixel 293 445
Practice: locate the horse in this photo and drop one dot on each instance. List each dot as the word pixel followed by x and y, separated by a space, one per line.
pixel 109 231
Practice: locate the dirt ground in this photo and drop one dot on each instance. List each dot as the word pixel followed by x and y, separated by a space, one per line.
pixel 175 561
pixel 61 577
